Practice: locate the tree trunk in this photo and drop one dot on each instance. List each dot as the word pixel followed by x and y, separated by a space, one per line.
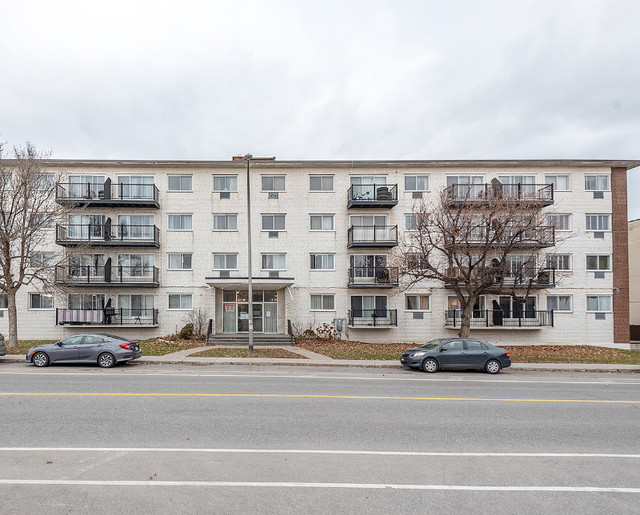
pixel 13 318
pixel 465 321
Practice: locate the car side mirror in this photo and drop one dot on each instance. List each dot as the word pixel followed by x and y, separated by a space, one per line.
pixel 59 344
pixel 442 349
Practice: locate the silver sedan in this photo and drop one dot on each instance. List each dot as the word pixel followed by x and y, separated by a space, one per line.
pixel 104 349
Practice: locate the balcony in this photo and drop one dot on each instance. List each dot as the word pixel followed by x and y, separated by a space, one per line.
pixel 373 277
pixel 517 237
pixel 106 235
pixel 373 236
pixel 501 319
pixel 372 195
pixel 113 317
pixel 372 318
pixel 107 275
pixel 525 194
pixel 108 195
pixel 523 278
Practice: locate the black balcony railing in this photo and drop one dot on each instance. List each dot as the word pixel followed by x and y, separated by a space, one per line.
pixel 106 234
pixel 372 236
pixel 514 235
pixel 502 318
pixel 373 317
pixel 524 278
pixel 107 316
pixel 107 275
pixel 372 195
pixel 106 193
pixel 373 276
pixel 541 194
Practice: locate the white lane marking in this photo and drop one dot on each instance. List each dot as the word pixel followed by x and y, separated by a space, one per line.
pixel 361 486
pixel 332 377
pixel 324 451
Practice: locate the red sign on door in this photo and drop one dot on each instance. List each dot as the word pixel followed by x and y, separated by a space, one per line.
pixel 229 307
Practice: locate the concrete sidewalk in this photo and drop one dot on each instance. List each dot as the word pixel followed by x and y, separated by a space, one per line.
pixel 308 358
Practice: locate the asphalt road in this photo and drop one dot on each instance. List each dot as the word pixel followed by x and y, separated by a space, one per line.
pixel 185 439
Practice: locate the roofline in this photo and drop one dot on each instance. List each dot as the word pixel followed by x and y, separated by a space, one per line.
pixel 491 163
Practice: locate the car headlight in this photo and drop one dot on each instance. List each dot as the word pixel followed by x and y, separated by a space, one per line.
pixel 418 354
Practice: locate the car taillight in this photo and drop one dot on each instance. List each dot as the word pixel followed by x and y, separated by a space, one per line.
pixel 126 346
pixel 507 352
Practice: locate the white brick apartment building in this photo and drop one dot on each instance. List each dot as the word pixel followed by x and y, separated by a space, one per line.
pixel 156 239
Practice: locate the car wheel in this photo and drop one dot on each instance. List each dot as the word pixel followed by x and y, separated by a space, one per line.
pixel 106 360
pixel 430 365
pixel 493 366
pixel 40 359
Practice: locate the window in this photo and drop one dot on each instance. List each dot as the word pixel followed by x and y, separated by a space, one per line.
pixel 598 222
pixel 321 183
pixel 416 262
pixel 135 227
pixel 225 183
pixel 179 261
pixel 321 222
pixel 85 186
pixel 86 301
pixel 274 261
pixel 368 220
pixel 364 187
pixel 559 261
pixel 559 302
pixel 602 262
pixel 136 187
pixel 365 306
pixel 40 301
pixel 85 227
pixel 559 182
pixel 323 302
pixel 4 301
pixel 225 261
pixel 225 222
pixel 560 222
pixel 273 183
pixel 517 179
pixel 466 186
pixel 599 303
pixel 45 220
pixel 136 306
pixel 85 265
pixel 273 222
pixel 596 182
pixel 417 302
pixel 322 262
pixel 180 183
pixel 45 181
pixel 180 222
pixel 416 183
pixel 180 301
pixel 41 259
pixel 136 265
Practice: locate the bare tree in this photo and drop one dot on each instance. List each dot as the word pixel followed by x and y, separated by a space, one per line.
pixel 27 206
pixel 477 240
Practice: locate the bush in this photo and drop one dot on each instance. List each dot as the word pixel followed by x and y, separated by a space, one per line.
pixel 187 331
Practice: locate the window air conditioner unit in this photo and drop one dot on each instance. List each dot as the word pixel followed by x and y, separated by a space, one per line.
pixel 416 194
pixel 274 274
pixel 225 273
pixel 273 234
pixel 598 275
pixel 598 234
pixel 273 194
pixel 225 194
pixel 598 194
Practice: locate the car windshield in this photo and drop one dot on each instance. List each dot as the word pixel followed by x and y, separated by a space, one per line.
pixel 433 343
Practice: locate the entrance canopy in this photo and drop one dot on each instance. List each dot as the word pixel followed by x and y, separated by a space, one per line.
pixel 240 283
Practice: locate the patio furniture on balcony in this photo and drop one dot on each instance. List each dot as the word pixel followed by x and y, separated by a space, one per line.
pixel 373 277
pixel 372 195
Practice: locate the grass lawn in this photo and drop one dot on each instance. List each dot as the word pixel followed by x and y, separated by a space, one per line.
pixel 162 346
pixel 243 352
pixel 25 345
pixel 342 349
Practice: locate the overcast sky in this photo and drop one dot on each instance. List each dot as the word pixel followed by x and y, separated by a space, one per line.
pixel 323 79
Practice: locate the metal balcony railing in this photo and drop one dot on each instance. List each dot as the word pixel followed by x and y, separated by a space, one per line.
pixel 372 195
pixel 372 236
pixel 107 316
pixel 363 318
pixel 105 234
pixel 541 194
pixel 373 276
pixel 107 275
pixel 145 195
pixel 499 318
pixel 543 278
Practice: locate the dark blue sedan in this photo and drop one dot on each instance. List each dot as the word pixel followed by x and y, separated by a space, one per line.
pixel 459 353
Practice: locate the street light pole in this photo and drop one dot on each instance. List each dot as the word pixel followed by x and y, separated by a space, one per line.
pixel 248 158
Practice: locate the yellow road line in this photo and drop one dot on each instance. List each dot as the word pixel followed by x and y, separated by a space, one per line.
pixel 306 396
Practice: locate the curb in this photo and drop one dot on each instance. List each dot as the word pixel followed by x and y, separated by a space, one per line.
pixel 185 360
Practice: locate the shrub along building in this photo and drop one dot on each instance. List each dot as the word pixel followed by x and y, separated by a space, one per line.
pixel 152 241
